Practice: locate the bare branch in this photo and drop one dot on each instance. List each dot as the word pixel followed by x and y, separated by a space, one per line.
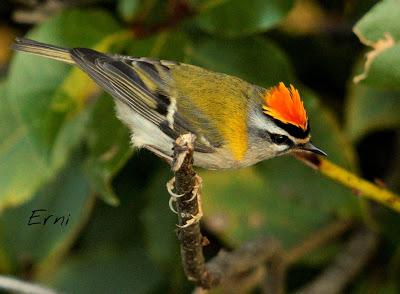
pixel 274 281
pixel 187 207
pixel 228 266
pixel 346 265
pixel 39 11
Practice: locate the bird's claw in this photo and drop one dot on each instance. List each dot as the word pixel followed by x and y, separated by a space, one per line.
pixel 170 188
pixel 195 193
pixel 171 206
pixel 193 220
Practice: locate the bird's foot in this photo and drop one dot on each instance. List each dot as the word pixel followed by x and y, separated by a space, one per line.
pixel 195 194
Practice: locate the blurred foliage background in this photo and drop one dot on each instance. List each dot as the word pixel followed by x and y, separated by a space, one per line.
pixel 63 150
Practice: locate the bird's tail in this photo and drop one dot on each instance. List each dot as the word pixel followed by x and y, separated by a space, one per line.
pixel 41 49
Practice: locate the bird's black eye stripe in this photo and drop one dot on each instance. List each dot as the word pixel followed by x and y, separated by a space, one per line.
pixel 280 139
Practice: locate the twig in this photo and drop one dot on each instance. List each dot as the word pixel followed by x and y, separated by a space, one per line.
pixel 187 207
pixel 243 283
pixel 346 265
pixel 228 266
pixel 274 281
pixel 39 11
pixel 16 285
pixel 225 266
pixel 364 188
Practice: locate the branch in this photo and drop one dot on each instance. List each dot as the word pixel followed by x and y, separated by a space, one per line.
pixel 346 265
pixel 362 187
pixel 225 266
pixel 187 206
pixel 229 265
pixel 38 12
pixel 274 280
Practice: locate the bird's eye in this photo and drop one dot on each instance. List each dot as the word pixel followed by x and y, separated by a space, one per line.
pixel 280 139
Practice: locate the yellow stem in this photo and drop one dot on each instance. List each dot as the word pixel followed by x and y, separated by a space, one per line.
pixel 362 187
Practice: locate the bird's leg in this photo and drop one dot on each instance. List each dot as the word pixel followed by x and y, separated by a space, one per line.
pixel 159 153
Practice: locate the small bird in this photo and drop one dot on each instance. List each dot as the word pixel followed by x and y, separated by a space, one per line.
pixel 236 124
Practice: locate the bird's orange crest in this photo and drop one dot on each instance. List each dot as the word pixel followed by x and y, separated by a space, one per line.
pixel 286 106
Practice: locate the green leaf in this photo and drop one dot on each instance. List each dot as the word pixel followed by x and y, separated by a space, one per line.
pixel 47 121
pixel 25 236
pixel 108 271
pixel 108 147
pixel 22 169
pixel 252 59
pixel 369 109
pixel 44 107
pixel 382 68
pixel 236 17
pixel 380 29
pixel 382 18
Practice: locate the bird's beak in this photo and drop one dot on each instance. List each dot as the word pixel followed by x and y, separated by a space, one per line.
pixel 311 148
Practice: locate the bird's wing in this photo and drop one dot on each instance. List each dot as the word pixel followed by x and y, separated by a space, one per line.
pixel 147 87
